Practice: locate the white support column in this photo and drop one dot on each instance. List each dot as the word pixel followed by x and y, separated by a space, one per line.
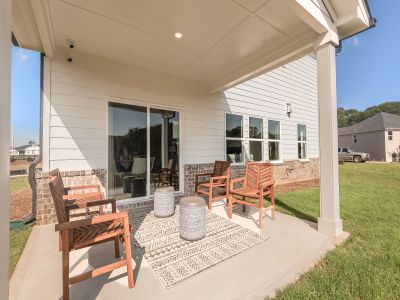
pixel 5 81
pixel 329 221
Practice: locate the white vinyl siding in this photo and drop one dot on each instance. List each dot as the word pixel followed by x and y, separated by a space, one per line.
pixel 76 121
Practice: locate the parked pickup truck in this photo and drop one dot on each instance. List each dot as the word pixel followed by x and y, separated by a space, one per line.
pixel 348 154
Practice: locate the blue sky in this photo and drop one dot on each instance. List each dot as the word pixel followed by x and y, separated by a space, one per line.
pixel 368 72
pixel 25 95
pixel 368 67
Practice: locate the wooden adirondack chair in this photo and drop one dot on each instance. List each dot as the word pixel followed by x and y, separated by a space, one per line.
pixel 219 178
pixel 258 182
pixel 87 232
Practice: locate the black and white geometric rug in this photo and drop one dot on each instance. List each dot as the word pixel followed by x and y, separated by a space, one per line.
pixel 174 259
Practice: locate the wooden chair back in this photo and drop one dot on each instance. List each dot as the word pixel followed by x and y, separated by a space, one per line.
pixel 257 174
pixel 57 192
pixel 221 168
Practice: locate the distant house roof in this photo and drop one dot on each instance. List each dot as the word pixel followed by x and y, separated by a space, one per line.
pixel 380 121
pixel 24 147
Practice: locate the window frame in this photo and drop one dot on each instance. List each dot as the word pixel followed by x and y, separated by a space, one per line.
pixel 390 135
pixel 302 142
pixel 235 139
pixel 355 138
pixel 276 141
pixel 261 140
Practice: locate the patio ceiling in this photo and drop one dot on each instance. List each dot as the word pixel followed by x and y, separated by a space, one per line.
pixel 224 42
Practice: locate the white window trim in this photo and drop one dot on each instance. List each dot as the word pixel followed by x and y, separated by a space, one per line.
pixel 390 135
pixel 235 139
pixel 279 160
pixel 302 142
pixel 261 140
pixel 355 138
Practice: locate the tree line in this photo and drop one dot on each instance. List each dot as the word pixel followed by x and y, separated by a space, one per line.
pixel 348 117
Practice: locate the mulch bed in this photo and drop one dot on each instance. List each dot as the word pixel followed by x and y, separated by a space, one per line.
pixel 295 186
pixel 20 203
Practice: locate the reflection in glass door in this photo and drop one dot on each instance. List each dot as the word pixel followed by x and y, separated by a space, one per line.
pixel 164 148
pixel 131 153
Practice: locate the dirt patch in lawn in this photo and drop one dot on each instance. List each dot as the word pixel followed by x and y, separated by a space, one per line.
pixel 20 203
pixel 297 185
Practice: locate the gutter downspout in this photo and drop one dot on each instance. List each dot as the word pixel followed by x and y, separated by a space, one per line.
pixel 32 167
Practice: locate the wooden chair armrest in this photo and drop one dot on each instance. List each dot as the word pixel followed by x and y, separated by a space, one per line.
pixel 95 220
pixel 237 180
pixel 202 175
pixel 268 184
pixel 82 187
pixel 216 178
pixel 88 203
pixel 88 196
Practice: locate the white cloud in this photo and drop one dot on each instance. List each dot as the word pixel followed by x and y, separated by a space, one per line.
pixel 21 56
pixel 355 41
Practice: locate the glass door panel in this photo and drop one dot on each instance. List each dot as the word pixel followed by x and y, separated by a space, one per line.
pixel 164 149
pixel 127 137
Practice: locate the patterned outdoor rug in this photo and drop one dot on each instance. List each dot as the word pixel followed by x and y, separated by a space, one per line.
pixel 174 259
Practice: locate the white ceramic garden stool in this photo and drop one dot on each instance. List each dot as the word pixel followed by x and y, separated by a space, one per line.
pixel 164 202
pixel 192 218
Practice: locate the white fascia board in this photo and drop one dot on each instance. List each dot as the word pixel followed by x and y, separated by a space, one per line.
pixel 312 12
pixel 41 12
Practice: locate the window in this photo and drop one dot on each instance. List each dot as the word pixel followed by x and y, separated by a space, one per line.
pixel 256 139
pixel 234 138
pixel 301 141
pixel 390 135
pixel 355 139
pixel 274 136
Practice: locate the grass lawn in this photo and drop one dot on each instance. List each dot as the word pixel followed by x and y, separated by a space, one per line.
pixel 17 183
pixel 367 265
pixel 18 239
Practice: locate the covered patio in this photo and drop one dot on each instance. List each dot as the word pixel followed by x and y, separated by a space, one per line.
pixel 96 52
pixel 293 246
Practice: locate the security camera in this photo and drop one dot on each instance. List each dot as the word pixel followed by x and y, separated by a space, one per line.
pixel 71 44
pixel 69 59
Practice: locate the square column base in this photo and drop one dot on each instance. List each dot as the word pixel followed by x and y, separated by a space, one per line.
pixel 329 227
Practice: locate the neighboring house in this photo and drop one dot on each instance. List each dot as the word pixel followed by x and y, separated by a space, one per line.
pixel 14 152
pixel 378 135
pixel 29 150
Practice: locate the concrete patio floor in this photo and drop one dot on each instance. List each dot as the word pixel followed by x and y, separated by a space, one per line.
pixel 294 245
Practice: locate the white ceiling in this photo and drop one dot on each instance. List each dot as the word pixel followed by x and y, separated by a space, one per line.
pixel 218 35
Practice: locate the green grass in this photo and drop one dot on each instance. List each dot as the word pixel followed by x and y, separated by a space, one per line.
pixel 367 265
pixel 18 239
pixel 17 183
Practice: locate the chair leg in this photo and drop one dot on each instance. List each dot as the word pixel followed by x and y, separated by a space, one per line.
pixel 273 205
pixel 230 207
pixel 116 247
pixel 261 211
pixel 127 246
pixel 65 264
pixel 210 198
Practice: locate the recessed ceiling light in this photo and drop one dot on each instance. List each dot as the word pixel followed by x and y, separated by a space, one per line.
pixel 178 35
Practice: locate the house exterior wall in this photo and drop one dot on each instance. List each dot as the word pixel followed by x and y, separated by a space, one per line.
pixel 80 90
pixel 76 104
pixel 393 145
pixel 370 142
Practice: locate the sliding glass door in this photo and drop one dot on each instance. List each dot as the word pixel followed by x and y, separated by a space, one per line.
pixel 143 150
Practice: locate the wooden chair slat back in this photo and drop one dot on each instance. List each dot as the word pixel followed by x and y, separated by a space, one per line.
pixel 258 174
pixel 57 191
pixel 221 168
